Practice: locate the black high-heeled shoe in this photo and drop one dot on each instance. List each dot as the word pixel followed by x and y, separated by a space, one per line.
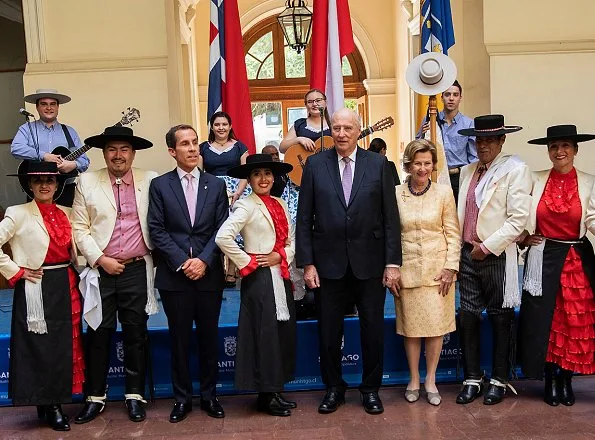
pixel 551 395
pixel 56 419
pixel 565 384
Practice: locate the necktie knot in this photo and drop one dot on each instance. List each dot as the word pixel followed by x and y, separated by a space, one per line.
pixel 346 160
pixel 189 177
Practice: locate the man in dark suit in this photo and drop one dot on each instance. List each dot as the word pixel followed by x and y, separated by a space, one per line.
pixel 186 208
pixel 349 243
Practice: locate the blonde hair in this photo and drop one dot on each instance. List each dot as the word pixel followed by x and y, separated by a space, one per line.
pixel 418 146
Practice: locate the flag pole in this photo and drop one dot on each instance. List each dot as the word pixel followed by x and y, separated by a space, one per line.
pixel 433 110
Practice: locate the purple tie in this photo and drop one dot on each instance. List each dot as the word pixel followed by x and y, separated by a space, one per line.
pixel 190 196
pixel 347 179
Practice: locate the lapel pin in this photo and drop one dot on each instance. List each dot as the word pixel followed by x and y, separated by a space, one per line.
pixel 205 186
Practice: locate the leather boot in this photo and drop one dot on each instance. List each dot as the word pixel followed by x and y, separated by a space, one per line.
pixel 469 336
pixel 97 362
pixel 135 358
pixel 550 395
pixel 502 333
pixel 56 419
pixel 565 384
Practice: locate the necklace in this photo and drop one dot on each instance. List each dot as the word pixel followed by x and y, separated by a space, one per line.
pixel 220 144
pixel 420 193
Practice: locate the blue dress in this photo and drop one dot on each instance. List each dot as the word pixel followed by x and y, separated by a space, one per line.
pixel 218 163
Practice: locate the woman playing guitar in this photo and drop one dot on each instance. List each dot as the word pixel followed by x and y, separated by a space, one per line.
pixel 307 130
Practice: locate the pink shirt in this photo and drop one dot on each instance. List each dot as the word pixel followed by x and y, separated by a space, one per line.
pixel 127 239
pixel 471 211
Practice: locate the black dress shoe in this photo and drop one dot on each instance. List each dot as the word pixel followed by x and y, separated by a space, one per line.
pixel 285 403
pixel 494 395
pixel 270 404
pixel 470 391
pixel 331 401
pixel 89 412
pixel 56 419
pixel 136 411
pixel 41 411
pixel 212 407
pixel 179 412
pixel 372 403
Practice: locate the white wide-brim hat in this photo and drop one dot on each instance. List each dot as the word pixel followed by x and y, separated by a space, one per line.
pixel 47 93
pixel 431 73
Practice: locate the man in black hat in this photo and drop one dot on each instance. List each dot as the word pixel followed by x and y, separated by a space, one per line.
pixel 187 208
pixel 109 222
pixel 493 210
pixel 37 140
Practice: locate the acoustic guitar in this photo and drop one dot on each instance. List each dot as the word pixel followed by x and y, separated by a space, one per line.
pixel 297 155
pixel 129 117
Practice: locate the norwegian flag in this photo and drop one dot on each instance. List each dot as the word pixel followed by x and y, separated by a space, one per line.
pixel 228 81
pixel 332 38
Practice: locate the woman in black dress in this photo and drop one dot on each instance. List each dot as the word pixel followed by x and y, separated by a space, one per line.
pixel 265 358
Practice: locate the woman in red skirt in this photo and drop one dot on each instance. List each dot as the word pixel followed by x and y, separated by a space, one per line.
pixel 556 326
pixel 46 356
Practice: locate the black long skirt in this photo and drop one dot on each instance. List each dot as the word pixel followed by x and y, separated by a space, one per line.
pixel 41 364
pixel 265 357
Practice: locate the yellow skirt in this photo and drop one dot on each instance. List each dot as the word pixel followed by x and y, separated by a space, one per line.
pixel 423 313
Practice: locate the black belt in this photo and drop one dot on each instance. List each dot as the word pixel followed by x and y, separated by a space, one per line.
pixel 131 260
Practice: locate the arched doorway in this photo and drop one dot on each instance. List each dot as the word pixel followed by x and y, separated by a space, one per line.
pixel 278 78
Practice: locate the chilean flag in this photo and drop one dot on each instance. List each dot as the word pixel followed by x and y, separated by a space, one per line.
pixel 228 81
pixel 332 39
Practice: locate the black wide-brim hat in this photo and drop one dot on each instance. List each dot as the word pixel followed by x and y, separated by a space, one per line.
pixel 29 168
pixel 118 134
pixel 489 125
pixel 256 161
pixel 562 132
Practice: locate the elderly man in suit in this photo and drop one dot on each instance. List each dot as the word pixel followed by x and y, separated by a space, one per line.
pixel 187 207
pixel 349 243
pixel 494 203
pixel 110 229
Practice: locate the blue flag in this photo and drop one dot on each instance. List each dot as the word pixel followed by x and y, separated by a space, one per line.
pixel 437 31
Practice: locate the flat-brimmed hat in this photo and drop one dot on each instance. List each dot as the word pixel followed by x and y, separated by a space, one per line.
pixel 562 132
pixel 118 134
pixel 256 161
pixel 431 73
pixel 47 93
pixel 29 168
pixel 489 125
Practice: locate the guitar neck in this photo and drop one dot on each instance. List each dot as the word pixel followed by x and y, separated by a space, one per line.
pixel 78 153
pixel 365 132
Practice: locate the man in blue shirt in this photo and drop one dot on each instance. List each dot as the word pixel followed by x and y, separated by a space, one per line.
pixel 460 150
pixel 49 134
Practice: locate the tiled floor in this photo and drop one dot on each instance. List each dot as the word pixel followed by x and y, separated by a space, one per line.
pixel 523 417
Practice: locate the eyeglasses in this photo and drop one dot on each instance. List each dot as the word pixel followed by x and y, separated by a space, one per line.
pixel 315 101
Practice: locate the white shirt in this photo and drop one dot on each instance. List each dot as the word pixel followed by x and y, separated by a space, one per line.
pixel 352 163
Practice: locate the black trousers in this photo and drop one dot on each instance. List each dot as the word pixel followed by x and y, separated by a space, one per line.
pixel 454 183
pixel 124 296
pixel 183 308
pixel 331 298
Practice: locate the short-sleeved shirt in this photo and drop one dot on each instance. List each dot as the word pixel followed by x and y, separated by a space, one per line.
pixel 218 163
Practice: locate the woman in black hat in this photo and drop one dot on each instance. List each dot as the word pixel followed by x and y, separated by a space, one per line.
pixel 46 356
pixel 265 358
pixel 556 327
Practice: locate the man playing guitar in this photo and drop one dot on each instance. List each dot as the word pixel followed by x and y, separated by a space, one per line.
pixel 37 140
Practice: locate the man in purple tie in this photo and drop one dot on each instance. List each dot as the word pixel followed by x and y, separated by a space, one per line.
pixel 186 209
pixel 349 244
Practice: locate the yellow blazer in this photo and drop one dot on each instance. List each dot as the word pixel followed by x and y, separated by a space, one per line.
pixel 504 211
pixel 24 230
pixel 94 210
pixel 251 218
pixel 586 188
pixel 429 234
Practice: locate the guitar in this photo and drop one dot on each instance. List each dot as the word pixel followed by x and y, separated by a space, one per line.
pixel 129 117
pixel 296 155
